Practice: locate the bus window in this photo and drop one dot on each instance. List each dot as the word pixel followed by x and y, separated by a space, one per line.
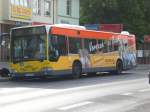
pixel 101 46
pixel 110 45
pixel 86 44
pixel 57 46
pixel 28 44
pixel 113 45
pixel 106 49
pixel 116 45
pixel 91 45
pixel 62 46
pixel 75 45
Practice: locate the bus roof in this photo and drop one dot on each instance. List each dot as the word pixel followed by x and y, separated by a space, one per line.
pixel 55 25
pixel 84 33
pixel 75 30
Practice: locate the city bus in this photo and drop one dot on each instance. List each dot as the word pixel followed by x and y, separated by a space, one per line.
pixel 58 50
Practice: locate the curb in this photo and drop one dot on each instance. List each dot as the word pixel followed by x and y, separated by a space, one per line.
pixel 143 67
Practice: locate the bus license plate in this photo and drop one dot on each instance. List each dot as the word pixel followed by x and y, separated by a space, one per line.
pixel 29 75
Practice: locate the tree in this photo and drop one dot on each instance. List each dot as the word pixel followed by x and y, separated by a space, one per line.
pixel 96 11
pixel 133 14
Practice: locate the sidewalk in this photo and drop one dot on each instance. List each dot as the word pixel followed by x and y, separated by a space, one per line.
pixel 143 67
pixel 4 79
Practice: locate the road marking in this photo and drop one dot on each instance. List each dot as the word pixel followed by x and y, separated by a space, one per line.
pixel 127 94
pixel 75 105
pixel 144 90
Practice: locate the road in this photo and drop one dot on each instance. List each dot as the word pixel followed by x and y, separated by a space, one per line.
pixel 129 92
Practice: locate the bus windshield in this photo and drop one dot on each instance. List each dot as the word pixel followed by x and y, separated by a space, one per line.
pixel 28 44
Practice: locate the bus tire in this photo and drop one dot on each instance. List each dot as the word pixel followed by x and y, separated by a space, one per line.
pixel 119 68
pixel 4 72
pixel 76 70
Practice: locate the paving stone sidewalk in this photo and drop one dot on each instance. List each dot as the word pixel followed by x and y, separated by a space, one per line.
pixel 143 67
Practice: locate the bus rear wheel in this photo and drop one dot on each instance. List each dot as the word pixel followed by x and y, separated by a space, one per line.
pixel 76 70
pixel 119 68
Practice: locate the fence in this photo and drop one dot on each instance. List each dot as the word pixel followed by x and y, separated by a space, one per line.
pixel 143 55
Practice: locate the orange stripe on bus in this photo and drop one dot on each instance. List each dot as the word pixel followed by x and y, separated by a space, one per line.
pixel 81 33
pixel 87 33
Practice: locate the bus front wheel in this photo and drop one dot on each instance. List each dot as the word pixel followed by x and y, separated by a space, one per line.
pixel 76 70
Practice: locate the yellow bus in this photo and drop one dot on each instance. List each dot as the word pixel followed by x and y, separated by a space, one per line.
pixel 57 50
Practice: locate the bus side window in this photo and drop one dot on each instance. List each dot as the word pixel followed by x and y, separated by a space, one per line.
pixel 58 43
pixel 62 45
pixel 86 44
pixel 75 44
pixel 116 45
pixel 110 47
pixel 113 45
pixel 105 49
pixel 53 48
pixel 93 46
pixel 101 46
pixel 90 45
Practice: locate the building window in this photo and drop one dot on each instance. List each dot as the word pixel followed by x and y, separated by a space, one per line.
pixel 12 2
pixel 17 2
pixel 23 3
pixel 68 8
pixel 64 22
pixel 36 7
pixel 47 7
pixel 26 3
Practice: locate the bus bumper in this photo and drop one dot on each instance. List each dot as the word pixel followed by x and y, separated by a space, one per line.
pixel 32 74
pixel 49 73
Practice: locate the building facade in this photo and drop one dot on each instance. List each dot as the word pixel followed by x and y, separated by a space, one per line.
pixel 67 11
pixel 27 12
pixel 56 11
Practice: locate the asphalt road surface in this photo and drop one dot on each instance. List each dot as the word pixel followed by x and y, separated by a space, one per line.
pixel 129 92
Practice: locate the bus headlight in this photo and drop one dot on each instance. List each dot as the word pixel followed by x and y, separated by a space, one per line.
pixel 13 71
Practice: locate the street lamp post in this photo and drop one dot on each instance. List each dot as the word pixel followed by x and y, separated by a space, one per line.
pixel 53 13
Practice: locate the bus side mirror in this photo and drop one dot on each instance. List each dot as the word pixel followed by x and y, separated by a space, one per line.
pixel 2 38
pixel 3 43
